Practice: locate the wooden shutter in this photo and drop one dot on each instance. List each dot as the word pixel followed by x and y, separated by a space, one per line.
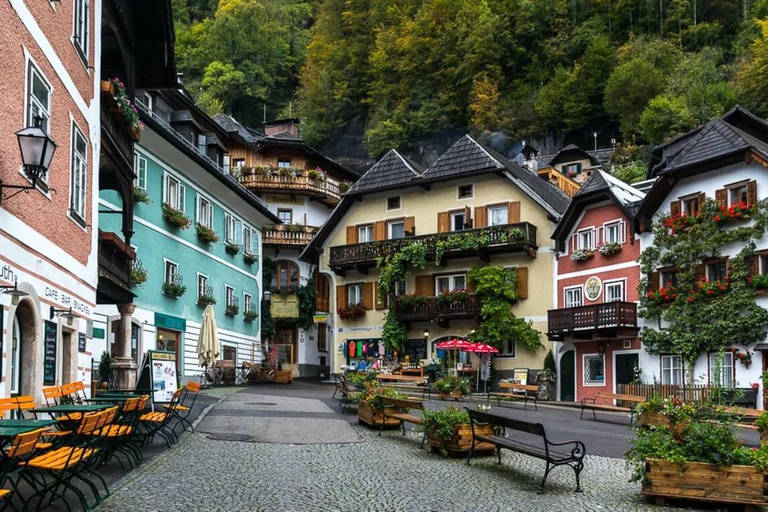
pixel 443 222
pixel 351 234
pixel 341 296
pixel 752 263
pixel 481 216
pixel 410 226
pixel 751 193
pixel 702 198
pixel 654 281
pixel 721 198
pixel 368 295
pixel 468 216
pixel 379 230
pixel 425 285
pixel 674 208
pixel 513 212
pixel 381 300
pixel 698 273
pixel 521 288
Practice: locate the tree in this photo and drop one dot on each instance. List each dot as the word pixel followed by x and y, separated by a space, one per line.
pixel 626 96
pixel 485 104
pixel 665 117
pixel 752 75
pixel 631 173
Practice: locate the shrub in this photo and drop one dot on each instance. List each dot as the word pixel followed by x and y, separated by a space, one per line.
pixel 452 383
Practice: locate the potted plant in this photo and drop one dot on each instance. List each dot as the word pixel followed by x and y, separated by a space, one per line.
pixel 287 172
pixel 267 227
pixel 249 258
pixel 452 387
pixel 344 186
pixel 352 311
pixel 249 315
pixel 105 368
pixel 175 217
pixel 653 412
pixel 447 298
pixel 205 234
pixel 548 378
pixel 206 299
pixel 231 309
pixel 369 407
pixel 448 430
pixel 138 274
pixel 609 248
pixel 140 195
pixel 175 290
pixel 125 108
pixel 231 248
pixel 762 426
pixel 582 255
pixel 316 174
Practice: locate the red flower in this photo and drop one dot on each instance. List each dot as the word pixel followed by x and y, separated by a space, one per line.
pixel 717 218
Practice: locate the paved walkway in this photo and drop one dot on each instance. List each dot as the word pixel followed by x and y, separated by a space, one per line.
pixel 288 448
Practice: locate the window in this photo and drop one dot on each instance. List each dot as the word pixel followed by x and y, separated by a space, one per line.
pixel 466 191
pixel 571 169
pixel 393 203
pixel 238 163
pixel 509 348
pixel 586 239
pixel 612 233
pixel 399 288
pixel 229 294
pixel 354 294
pixel 450 283
pixel 498 215
pixel 764 264
pixel 283 162
pixel 204 212
pixel 365 233
pixel 80 29
pixel 396 229
pixel 202 287
pixel 737 194
pixel 721 369
pixel 614 292
pixel 171 272
pixel 140 168
pixel 229 353
pixel 594 369
pixel 285 276
pixel 573 297
pixel 322 337
pixel 38 98
pixel 233 229
pixel 247 302
pixel 201 143
pixel 78 173
pixel 671 370
pixel 457 221
pixel 717 270
pixel 250 241
pixel 174 193
pixel 691 206
pixel 285 215
pixel 668 278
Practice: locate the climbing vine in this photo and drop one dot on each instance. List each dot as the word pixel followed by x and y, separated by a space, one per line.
pixel 394 332
pixel 495 287
pixel 306 295
pixel 696 315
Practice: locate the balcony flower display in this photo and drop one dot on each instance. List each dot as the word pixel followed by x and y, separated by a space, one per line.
pixel 344 186
pixel 679 223
pixel 663 295
pixel 206 234
pixel 411 300
pixel 582 255
pixel 287 172
pixel 140 195
pixel 316 174
pixel 707 289
pixel 609 248
pixel 446 298
pixel 175 217
pixel 232 248
pixel 352 312
pixel 138 273
pixel 738 211
pixel 125 107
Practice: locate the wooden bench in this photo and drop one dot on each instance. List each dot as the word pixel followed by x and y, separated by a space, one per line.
pixel 399 378
pixel 393 408
pixel 572 453
pixel 518 392
pixel 591 403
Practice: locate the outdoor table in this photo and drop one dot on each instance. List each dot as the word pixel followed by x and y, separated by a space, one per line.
pixel 26 423
pixel 69 408
pixel 8 433
pixel 112 399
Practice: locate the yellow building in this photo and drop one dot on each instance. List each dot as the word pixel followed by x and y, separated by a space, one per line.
pixel 469 190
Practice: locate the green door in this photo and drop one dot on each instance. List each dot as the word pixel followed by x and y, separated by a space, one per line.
pixel 568 376
pixel 625 368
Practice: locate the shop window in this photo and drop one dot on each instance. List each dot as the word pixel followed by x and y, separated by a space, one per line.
pixel 594 369
pixel 396 229
pixel 393 203
pixel 169 341
pixel 466 191
pixel 573 297
pixel 365 233
pixel 614 292
pixel 498 215
pixel 721 369
pixel 672 370
pixel 354 294
pixel 285 276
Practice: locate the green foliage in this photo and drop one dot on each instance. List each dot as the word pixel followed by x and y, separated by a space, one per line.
pixel 267 322
pixel 665 117
pixel 751 76
pixel 495 287
pixel 370 395
pixel 307 301
pixel 362 379
pixel 439 424
pixel 105 367
pixel 452 383
pixel 550 369
pixel 631 173
pixel 626 97
pixel 393 333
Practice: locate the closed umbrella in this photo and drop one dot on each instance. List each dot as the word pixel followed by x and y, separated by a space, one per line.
pixel 208 344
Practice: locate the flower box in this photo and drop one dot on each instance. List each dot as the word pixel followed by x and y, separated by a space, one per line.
pixel 205 300
pixel 352 312
pixel 582 255
pixel 374 418
pixel 232 249
pixel 701 481
pixel 206 235
pixel 461 442
pixel 249 258
pixel 231 310
pixel 174 289
pixel 454 395
pixel 250 316
pixel 653 419
pixel 175 217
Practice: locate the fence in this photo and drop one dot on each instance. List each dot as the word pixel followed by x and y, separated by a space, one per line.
pixel 740 396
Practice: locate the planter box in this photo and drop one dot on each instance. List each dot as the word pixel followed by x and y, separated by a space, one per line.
pixel 283 377
pixel 743 485
pixel 455 395
pixel 653 419
pixel 461 441
pixel 367 415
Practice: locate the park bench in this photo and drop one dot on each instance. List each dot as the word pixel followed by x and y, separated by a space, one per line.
pixel 394 408
pixel 517 392
pixel 571 454
pixel 591 403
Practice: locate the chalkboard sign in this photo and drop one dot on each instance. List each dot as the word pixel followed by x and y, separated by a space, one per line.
pixel 49 354
pixel 81 343
pixel 416 349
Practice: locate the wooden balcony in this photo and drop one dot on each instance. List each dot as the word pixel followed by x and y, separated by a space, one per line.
pixel 610 320
pixel 324 190
pixel 432 309
pixel 520 237
pixel 561 181
pixel 115 135
pixel 287 236
pixel 115 263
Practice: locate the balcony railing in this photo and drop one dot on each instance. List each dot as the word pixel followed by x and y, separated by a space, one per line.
pixel 115 260
pixel 432 308
pixel 595 321
pixel 116 132
pixel 286 235
pixel 490 240
pixel 562 182
pixel 326 189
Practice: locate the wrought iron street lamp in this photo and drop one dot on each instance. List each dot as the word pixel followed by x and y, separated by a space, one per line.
pixel 267 295
pixel 63 313
pixel 14 292
pixel 37 149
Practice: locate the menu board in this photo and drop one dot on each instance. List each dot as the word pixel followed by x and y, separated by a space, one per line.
pixel 163 374
pixel 81 342
pixel 520 375
pixel 416 349
pixel 49 354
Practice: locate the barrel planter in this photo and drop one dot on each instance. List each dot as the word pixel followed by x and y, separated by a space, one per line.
pixel 699 481
pixel 374 418
pixel 461 442
pixel 453 395
pixel 653 419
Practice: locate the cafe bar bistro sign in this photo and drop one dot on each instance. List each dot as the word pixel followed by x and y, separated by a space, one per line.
pixel 284 306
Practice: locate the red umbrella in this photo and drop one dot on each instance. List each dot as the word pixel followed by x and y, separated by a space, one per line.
pixel 455 344
pixel 481 348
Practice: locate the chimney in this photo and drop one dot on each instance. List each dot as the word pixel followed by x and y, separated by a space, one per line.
pixel 290 126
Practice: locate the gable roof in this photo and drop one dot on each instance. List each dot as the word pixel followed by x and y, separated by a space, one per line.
pixel 393 169
pixel 568 153
pixel 464 157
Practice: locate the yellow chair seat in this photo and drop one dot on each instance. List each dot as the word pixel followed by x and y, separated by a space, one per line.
pixel 113 431
pixel 43 446
pixel 154 417
pixel 62 458
pixel 56 433
pixel 4 493
pixel 176 407
pixel 75 416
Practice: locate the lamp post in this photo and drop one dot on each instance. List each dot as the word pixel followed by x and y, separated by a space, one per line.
pixel 595 135
pixel 37 150
pixel 14 292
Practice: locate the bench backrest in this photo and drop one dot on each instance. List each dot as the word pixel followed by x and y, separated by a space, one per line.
pixel 519 425
pixel 518 387
pixel 617 396
pixel 403 403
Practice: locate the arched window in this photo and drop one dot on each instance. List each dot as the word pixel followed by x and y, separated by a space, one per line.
pixel 286 276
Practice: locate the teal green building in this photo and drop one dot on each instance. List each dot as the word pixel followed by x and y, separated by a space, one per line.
pixel 197 238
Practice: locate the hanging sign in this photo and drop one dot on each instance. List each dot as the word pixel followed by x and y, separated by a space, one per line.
pixel 485 367
pixel 321 319
pixel 592 288
pixel 49 354
pixel 284 306
pixel 81 342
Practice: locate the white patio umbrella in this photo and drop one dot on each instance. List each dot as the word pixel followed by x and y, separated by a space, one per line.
pixel 208 345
